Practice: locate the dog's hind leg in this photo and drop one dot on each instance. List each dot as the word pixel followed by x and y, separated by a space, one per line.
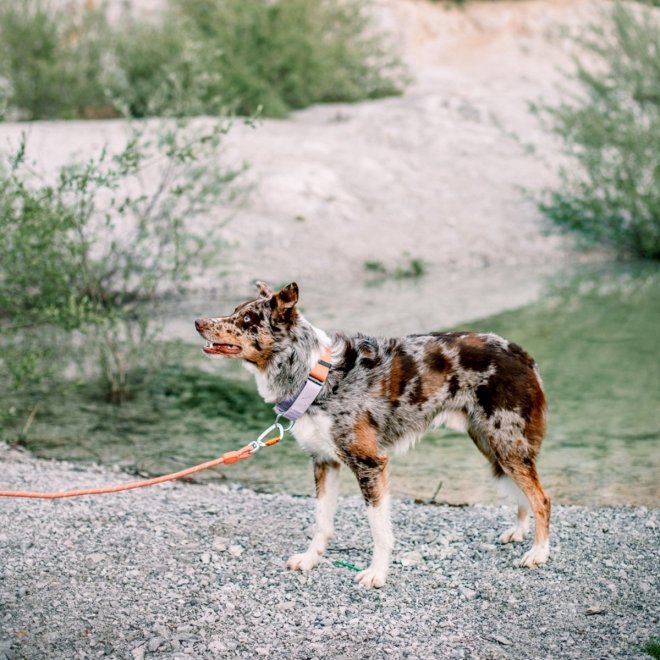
pixel 326 477
pixel 520 530
pixel 522 472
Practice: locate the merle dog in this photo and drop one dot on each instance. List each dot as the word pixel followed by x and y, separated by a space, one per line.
pixel 381 395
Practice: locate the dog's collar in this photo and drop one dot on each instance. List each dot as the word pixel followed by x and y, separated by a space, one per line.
pixel 293 409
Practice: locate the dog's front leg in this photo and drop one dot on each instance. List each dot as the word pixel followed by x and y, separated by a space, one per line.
pixel 371 473
pixel 326 477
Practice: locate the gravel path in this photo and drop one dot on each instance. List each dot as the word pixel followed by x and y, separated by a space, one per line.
pixel 199 571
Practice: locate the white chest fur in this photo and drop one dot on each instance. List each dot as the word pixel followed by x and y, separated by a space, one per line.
pixel 313 434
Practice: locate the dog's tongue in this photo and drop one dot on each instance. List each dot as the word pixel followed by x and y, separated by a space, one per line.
pixel 222 349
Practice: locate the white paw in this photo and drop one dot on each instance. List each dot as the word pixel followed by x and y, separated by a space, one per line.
pixel 304 561
pixel 536 556
pixel 514 535
pixel 371 577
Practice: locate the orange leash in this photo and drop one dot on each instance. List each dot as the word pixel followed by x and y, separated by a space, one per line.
pixel 226 459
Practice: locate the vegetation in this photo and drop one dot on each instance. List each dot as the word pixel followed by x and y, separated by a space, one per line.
pixel 407 268
pixel 611 130
pixel 52 62
pixel 203 57
pixel 652 648
pixel 65 266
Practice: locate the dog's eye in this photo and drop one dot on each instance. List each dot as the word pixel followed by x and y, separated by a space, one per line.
pixel 246 318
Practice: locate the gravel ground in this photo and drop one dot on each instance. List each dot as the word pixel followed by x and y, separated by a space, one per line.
pixel 199 571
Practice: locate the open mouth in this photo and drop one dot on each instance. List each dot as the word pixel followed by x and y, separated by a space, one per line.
pixel 221 349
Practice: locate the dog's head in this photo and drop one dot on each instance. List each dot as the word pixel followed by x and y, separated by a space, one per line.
pixel 254 329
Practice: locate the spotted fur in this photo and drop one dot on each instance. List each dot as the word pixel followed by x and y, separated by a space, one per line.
pixel 382 395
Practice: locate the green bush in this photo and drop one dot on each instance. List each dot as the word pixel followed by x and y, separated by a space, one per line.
pixel 65 265
pixel 53 60
pixel 202 57
pixel 611 130
pixel 291 53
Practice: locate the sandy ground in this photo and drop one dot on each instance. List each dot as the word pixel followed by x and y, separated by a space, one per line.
pixel 434 175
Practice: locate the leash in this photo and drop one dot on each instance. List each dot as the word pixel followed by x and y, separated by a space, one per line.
pixel 291 411
pixel 228 458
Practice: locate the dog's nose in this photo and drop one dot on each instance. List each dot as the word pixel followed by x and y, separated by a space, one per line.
pixel 200 324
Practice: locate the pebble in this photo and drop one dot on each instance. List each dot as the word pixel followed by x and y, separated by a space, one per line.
pixel 155 643
pixel 411 558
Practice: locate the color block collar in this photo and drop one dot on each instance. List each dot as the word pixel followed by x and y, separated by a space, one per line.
pixel 293 409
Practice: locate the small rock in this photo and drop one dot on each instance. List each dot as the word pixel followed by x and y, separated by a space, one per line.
pixel 411 558
pixel 161 630
pixel 468 594
pixel 235 550
pixel 138 652
pixel 595 609
pixel 217 645
pixel 155 643
pixel 501 640
pixel 220 543
pixel 205 557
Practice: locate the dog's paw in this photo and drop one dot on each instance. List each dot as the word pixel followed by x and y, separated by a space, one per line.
pixel 536 556
pixel 371 578
pixel 514 535
pixel 303 561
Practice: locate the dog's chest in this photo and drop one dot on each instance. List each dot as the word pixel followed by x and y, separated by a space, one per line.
pixel 313 434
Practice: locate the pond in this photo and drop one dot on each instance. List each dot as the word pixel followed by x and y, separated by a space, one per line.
pixel 594 333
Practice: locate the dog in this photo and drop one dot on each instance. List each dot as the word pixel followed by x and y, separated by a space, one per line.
pixel 378 395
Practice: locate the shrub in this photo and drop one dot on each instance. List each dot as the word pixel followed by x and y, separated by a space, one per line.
pixel 65 266
pixel 202 57
pixel 289 54
pixel 53 60
pixel 611 131
pixel 407 268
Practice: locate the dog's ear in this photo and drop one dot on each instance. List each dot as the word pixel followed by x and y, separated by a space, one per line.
pixel 264 290
pixel 287 297
pixel 283 304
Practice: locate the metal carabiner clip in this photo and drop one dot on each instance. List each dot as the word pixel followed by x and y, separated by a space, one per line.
pixel 257 444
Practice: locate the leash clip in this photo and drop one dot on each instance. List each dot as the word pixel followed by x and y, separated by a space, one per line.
pixel 257 444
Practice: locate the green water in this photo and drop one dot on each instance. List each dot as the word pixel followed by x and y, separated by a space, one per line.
pixel 595 335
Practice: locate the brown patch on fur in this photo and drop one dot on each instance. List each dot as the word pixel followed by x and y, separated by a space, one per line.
pixel 383 387
pixel 395 389
pixel 321 474
pixel 476 357
pixel 438 367
pixel 263 352
pixel 536 424
pixel 513 386
pixel 365 443
pixel 402 371
pixel 365 461
pixel 473 340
